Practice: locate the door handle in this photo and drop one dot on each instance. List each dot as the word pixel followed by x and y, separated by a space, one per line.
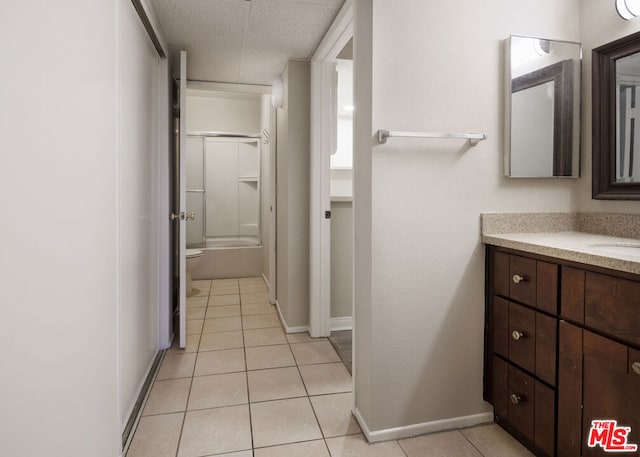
pixel 181 216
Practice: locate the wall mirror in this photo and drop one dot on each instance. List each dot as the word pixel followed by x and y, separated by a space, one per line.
pixel 542 108
pixel 616 109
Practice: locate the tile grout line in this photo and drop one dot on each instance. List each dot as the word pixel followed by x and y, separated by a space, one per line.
pixel 246 373
pixel 471 443
pixel 297 365
pixel 315 414
pixel 186 406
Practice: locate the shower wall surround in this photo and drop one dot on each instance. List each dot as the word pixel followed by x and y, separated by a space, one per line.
pixel 223 191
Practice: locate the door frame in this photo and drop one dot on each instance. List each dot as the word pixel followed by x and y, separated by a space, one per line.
pixel 323 134
pixel 268 145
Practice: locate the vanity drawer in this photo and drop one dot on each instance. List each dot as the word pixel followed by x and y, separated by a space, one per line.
pixel 528 281
pixel 525 337
pixel 521 400
pixel 612 305
pixel 522 337
pixel 524 405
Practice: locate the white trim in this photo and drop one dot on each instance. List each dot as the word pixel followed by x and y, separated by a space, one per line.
pixel 182 192
pixel 155 24
pixel 229 87
pixel 116 223
pixel 287 329
pixel 273 208
pixel 341 323
pixel 163 170
pixel 407 431
pixel 337 36
pixel 125 446
pixel 323 126
pixel 138 392
pixel 266 280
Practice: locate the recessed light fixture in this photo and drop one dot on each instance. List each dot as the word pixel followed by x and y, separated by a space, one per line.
pixel 628 9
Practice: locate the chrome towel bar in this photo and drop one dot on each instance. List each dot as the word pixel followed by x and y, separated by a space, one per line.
pixel 473 138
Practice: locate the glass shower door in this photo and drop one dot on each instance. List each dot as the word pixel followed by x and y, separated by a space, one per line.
pixel 196 192
pixel 232 183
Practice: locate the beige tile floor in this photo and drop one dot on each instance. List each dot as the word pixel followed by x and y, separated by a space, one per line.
pixel 242 388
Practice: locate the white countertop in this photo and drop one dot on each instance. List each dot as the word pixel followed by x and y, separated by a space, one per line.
pixel 587 248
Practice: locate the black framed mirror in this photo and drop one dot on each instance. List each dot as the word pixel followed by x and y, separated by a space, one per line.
pixel 616 119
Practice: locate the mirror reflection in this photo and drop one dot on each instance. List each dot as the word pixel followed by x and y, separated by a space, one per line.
pixel 627 106
pixel 543 108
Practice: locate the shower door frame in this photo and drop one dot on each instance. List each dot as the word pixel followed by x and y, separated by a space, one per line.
pixel 202 138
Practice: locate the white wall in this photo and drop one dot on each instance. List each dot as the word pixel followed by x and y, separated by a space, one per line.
pixel 341 258
pixel 436 66
pixel 223 112
pixel 138 193
pixel 293 145
pixel 599 24
pixel 58 236
pixel 79 291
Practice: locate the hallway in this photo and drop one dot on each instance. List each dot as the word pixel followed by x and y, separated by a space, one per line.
pixel 243 388
pixel 238 373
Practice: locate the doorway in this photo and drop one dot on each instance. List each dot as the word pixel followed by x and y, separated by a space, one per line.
pixel 331 297
pixel 341 196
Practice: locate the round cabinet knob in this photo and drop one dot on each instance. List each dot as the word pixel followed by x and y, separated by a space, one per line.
pixel 517 279
pixel 636 367
pixel 515 398
pixel 516 335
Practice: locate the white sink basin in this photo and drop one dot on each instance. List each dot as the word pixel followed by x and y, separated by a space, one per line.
pixel 619 248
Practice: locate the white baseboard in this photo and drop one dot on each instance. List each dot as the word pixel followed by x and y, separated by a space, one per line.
pixel 266 280
pixel 288 329
pixel 421 429
pixel 341 323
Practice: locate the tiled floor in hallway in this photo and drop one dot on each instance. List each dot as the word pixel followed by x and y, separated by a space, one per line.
pixel 242 388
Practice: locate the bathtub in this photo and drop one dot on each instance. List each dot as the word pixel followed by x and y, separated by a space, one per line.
pixel 231 242
pixel 229 257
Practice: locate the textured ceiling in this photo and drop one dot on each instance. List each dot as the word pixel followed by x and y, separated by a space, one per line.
pixel 243 41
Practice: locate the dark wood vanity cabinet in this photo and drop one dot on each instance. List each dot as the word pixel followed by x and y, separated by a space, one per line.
pixel 521 337
pixel 599 370
pixel 562 348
